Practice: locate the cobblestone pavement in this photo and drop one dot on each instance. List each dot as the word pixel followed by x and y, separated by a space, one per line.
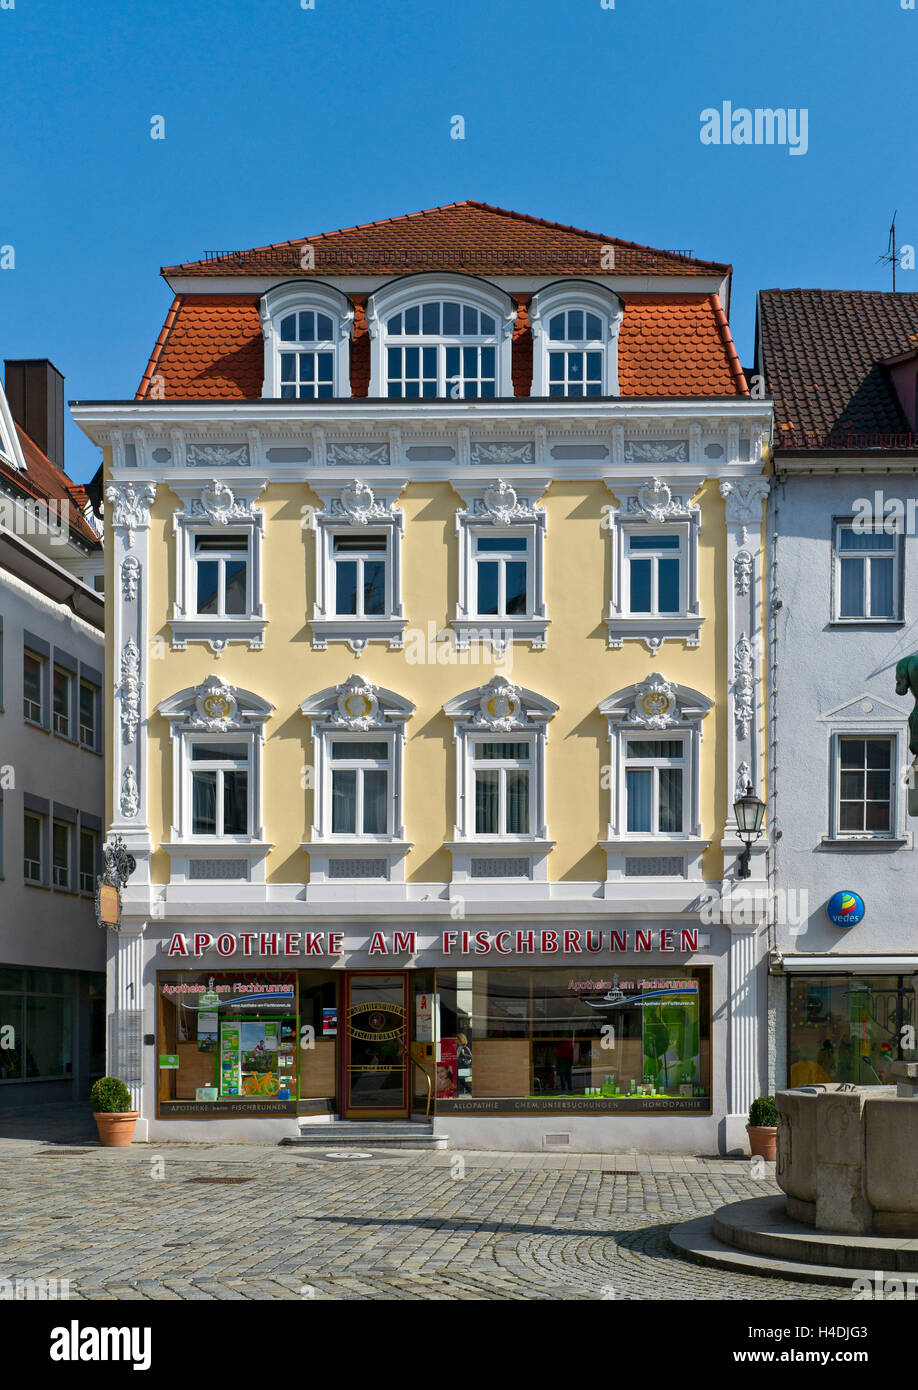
pixel 285 1223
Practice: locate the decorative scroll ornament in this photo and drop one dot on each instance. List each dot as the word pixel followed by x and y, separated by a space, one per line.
pixel 500 706
pixel 656 451
pixel 742 572
pixel 655 704
pixel 130 577
pixel 501 504
pixel 358 503
pixel 130 797
pixel 217 455
pixel 131 507
pixel 656 501
pixel 129 689
pixel 744 685
pixel 215 706
pixel 357 705
pixel 219 505
pixel 357 455
pixel 502 454
pixel 744 500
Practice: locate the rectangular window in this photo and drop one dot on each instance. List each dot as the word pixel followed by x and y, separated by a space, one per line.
pixel 654 786
pixel 220 789
pixel 848 1028
pixel 575 373
pixel 221 564
pixel 88 860
pixel 63 685
pixel 360 575
pixel 89 698
pixel 866 574
pixel 502 572
pixel 654 565
pixel 60 854
pixel 307 376
pixel 360 779
pixel 32 855
pixel 502 775
pixel 32 679
pixel 865 786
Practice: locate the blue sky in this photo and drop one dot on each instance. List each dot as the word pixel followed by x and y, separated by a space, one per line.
pixel 282 121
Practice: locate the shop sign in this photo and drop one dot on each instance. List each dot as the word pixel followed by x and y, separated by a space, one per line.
pixel 552 1105
pixel 576 941
pixel 168 1061
pixel 845 909
pixel 235 1108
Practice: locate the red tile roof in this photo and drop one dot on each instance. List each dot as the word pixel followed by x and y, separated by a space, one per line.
pixel 211 348
pixel 44 482
pixel 471 236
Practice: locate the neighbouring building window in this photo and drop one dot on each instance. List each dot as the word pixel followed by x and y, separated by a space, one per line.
pixel 60 854
pixel 867 579
pixel 864 778
pixel 89 714
pixel 654 785
pixel 33 674
pixel 847 1028
pixel 38 1006
pixel 220 801
pixel 63 687
pixel 89 852
pixel 33 828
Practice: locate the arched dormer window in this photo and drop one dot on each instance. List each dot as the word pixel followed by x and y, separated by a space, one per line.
pixel 575 328
pixel 306 329
pixel 447 337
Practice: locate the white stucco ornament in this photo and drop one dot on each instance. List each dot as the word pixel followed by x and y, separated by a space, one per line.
pixel 655 704
pixel 215 706
pixel 500 705
pixel 357 704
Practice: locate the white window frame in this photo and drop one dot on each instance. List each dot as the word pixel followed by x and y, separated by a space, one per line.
pixel 295 297
pixel 221 561
pixel 42 848
pixel 655 709
pixel 896 799
pixel 351 507
pixel 653 506
pixel 356 711
pixel 92 743
pixel 44 680
pixel 62 724
pixel 495 510
pixel 410 290
pixel 477 558
pixel 209 509
pixel 94 834
pixel 591 298
pixel 62 884
pixel 216 712
pixel 499 712
pixel 896 538
pixel 335 764
pixel 679 554
pixel 191 765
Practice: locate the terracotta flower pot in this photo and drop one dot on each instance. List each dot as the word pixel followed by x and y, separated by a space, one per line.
pixel 116 1129
pixel 763 1141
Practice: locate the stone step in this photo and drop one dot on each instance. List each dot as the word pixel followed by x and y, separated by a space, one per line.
pixel 386 1134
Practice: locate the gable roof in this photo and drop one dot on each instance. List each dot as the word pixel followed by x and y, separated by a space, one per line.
pixel 671 345
pixel 825 354
pixel 42 481
pixel 470 235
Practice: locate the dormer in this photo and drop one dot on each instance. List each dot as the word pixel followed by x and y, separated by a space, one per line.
pixel 575 328
pixel 307 329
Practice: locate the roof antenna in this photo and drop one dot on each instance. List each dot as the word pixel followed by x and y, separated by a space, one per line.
pixel 892 253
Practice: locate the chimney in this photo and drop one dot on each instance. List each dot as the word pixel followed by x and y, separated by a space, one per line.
pixel 35 391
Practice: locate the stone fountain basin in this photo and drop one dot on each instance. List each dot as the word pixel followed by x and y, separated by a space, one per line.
pixel 848 1158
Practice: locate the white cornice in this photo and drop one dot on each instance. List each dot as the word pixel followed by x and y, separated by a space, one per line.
pixel 521 284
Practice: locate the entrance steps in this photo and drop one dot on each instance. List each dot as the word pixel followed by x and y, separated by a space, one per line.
pixel 371 1135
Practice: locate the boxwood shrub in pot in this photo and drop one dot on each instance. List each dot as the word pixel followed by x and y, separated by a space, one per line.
pixel 763 1127
pixel 111 1105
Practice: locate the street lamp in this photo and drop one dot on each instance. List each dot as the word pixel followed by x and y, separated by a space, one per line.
pixel 749 811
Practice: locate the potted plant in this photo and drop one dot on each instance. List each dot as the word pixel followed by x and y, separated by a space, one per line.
pixel 111 1106
pixel 763 1127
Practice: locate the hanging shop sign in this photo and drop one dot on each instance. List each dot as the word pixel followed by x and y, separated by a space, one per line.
pixel 575 941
